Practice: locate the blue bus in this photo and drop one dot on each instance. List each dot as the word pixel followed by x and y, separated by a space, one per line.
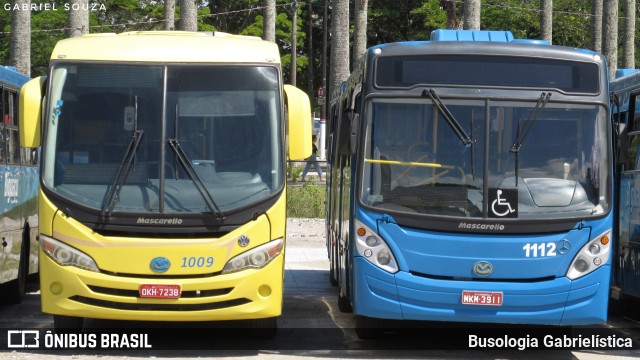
pixel 18 200
pixel 470 180
pixel 625 96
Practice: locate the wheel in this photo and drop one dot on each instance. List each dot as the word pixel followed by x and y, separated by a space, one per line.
pixel 344 303
pixel 63 323
pixel 333 279
pixel 265 328
pixel 369 328
pixel 16 288
pixel 344 300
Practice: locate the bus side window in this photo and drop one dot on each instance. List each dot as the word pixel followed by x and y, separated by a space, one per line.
pixel 633 159
pixel 5 118
pixel 13 141
pixel 634 108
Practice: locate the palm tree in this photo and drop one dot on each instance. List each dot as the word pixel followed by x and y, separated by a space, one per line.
pixel 471 15
pixel 596 25
pixel 269 21
pixel 188 15
pixel 546 20
pixel 20 47
pixel 339 58
pixel 169 14
pixel 360 29
pixel 610 35
pixel 77 18
pixel 628 57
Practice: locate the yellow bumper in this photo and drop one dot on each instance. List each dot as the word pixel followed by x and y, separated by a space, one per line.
pixel 248 294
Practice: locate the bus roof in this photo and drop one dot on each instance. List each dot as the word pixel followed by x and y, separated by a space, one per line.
pixel 9 75
pixel 167 46
pixel 630 80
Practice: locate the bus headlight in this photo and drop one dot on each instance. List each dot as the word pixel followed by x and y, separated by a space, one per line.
pixel 255 258
pixel 373 248
pixel 66 255
pixel 592 256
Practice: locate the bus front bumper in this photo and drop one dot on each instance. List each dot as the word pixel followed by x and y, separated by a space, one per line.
pixel 248 294
pixel 406 296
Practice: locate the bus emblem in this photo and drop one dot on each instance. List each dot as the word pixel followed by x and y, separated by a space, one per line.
pixel 564 246
pixel 483 268
pixel 160 264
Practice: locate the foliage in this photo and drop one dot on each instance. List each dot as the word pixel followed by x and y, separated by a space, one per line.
pixel 388 21
pixel 295 172
pixel 306 201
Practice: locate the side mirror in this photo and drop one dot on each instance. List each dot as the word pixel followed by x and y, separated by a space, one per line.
pixel 30 112
pixel 622 146
pixel 355 123
pixel 299 109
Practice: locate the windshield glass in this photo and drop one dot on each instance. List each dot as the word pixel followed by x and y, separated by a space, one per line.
pixel 414 161
pixel 110 126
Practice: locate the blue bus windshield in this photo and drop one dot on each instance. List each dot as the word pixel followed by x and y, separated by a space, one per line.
pixel 415 163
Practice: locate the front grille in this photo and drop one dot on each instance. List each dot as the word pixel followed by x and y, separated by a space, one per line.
pixel 487 279
pixel 159 307
pixel 183 294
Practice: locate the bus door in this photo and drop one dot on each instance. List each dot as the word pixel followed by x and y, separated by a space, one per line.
pixel 629 239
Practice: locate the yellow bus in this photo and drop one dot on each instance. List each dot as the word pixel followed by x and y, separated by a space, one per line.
pixel 162 183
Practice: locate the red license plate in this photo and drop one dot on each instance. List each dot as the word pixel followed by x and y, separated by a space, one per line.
pixel 481 298
pixel 159 291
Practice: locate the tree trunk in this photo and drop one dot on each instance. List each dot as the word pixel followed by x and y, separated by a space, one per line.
pixel 596 25
pixel 546 20
pixel 628 57
pixel 20 47
pixel 77 18
pixel 269 21
pixel 610 35
pixel 449 7
pixel 294 41
pixel 169 14
pixel 188 15
pixel 360 31
pixel 310 68
pixel 471 17
pixel 339 58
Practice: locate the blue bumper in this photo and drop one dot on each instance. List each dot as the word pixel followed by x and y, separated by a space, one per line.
pixel 403 295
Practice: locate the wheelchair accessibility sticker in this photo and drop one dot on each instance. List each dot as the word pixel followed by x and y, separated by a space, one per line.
pixel 503 203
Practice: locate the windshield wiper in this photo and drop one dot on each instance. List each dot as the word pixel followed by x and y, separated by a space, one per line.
pixel 183 159
pixel 522 133
pixel 121 176
pixel 448 116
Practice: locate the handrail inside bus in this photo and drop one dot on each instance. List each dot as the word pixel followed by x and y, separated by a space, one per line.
pixel 409 163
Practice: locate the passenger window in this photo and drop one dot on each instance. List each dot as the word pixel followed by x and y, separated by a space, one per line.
pixel 11 128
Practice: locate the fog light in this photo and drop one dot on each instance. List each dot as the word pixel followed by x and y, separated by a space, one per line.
pixel 581 265
pixel 55 288
pixel 264 290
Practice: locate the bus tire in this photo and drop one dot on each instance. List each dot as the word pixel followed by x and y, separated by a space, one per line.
pixel 265 328
pixel 344 303
pixel 16 288
pixel 67 324
pixel 333 269
pixel 369 328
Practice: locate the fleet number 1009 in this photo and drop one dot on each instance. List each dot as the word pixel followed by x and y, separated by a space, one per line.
pixel 192 261
pixel 539 250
